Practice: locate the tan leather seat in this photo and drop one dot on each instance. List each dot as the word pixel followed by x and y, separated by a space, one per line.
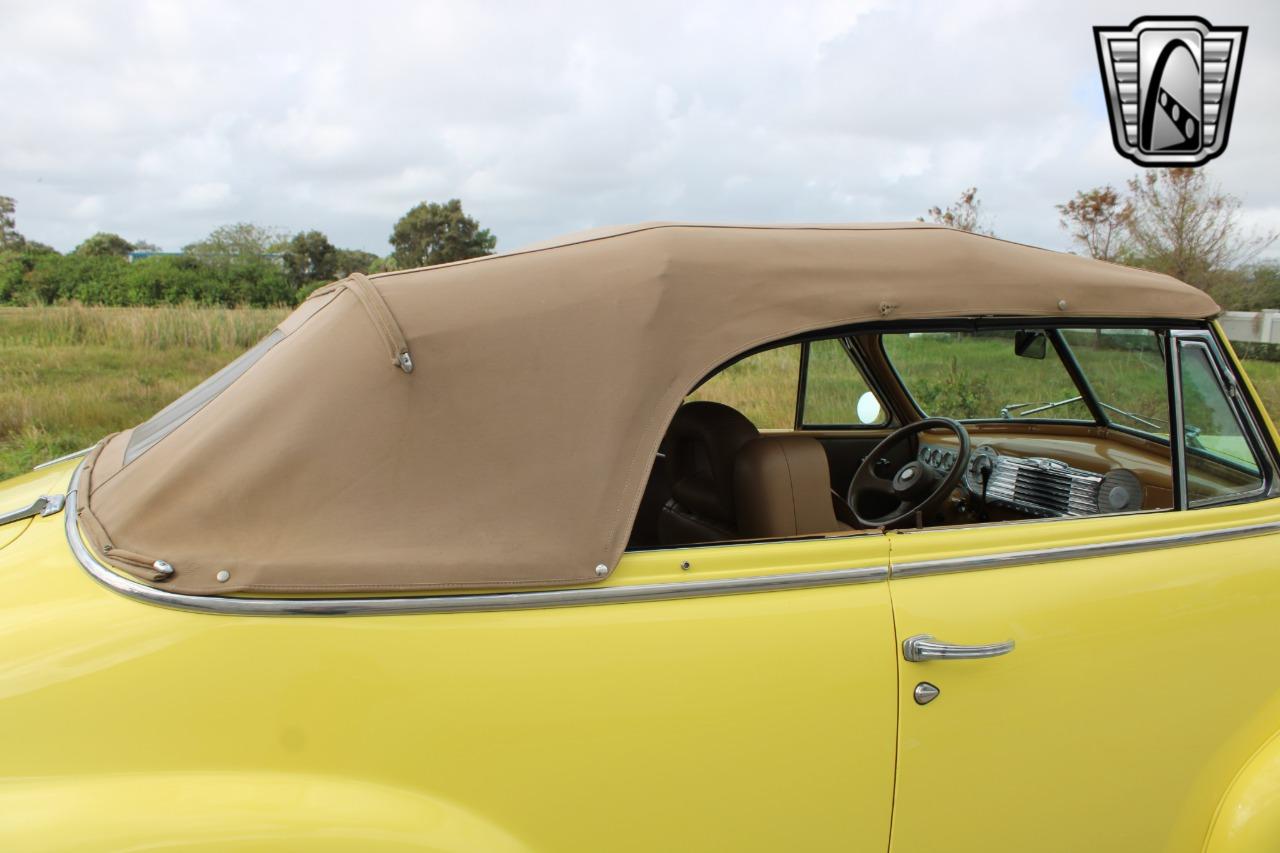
pixel 782 487
pixel 701 445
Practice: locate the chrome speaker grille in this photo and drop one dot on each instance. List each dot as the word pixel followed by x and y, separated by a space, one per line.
pixel 1043 487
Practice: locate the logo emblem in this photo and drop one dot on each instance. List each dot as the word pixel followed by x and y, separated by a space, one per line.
pixel 1171 85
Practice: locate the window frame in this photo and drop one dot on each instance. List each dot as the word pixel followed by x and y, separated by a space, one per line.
pixel 1224 373
pixel 850 350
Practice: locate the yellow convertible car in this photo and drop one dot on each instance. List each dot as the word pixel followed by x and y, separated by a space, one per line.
pixel 669 537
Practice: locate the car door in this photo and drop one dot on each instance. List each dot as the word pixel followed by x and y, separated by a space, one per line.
pixel 755 722
pixel 730 697
pixel 1107 683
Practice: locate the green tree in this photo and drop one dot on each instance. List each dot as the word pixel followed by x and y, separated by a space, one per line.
pixel 239 240
pixel 1182 224
pixel 310 257
pixel 9 236
pixel 18 256
pixel 434 233
pixel 1096 219
pixel 104 243
pixel 244 265
pixel 1249 289
pixel 354 260
pixel 92 279
pixel 14 267
pixel 966 214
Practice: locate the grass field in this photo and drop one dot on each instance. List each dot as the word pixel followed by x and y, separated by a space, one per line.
pixel 70 375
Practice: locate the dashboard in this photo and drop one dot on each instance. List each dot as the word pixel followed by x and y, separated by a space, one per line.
pixel 1038 485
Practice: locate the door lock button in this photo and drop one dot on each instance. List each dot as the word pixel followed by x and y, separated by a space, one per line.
pixel 925 693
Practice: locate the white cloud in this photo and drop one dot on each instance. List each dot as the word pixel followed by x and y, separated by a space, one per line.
pixel 209 196
pixel 89 207
pixel 163 120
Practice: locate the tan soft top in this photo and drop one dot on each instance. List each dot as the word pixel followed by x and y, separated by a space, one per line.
pixel 515 450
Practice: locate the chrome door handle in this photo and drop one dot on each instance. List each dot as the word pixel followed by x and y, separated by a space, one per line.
pixel 923 647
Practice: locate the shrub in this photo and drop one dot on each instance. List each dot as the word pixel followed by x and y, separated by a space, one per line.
pixel 48 278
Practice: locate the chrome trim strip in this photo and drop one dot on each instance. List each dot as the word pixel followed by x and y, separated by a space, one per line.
pixel 71 455
pixel 43 505
pixel 465 603
pixel 1177 424
pixel 922 568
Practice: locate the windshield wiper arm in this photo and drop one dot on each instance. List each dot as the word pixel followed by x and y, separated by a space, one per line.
pixel 1138 418
pixel 1021 410
pixel 1007 412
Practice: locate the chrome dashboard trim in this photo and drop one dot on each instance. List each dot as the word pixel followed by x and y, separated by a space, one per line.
pixel 462 603
pixel 922 568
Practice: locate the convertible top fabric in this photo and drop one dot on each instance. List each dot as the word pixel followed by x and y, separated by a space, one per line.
pixel 515 452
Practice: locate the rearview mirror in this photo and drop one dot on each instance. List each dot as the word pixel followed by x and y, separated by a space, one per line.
pixel 869 411
pixel 1030 344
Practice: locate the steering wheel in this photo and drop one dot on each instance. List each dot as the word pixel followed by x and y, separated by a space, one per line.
pixel 915 488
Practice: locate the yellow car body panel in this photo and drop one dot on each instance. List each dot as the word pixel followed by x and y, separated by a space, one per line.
pixel 1139 685
pixel 1248 821
pixel 747 722
pixel 230 810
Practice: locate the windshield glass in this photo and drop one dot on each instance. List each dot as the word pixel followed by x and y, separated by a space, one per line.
pixel 973 375
pixel 1125 369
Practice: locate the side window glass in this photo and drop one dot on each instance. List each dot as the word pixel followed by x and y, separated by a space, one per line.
pixel 1220 463
pixel 836 394
pixel 761 386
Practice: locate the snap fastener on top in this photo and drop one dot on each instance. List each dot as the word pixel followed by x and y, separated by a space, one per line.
pixel 602 570
pixel 223 576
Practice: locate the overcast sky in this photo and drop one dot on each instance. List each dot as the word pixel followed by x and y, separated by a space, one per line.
pixel 163 120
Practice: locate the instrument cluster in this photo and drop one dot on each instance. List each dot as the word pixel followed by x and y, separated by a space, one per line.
pixel 941 459
pixel 1040 486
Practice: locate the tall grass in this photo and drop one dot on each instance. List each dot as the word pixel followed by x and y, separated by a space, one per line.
pixel 70 375
pixel 185 327
pixel 762 387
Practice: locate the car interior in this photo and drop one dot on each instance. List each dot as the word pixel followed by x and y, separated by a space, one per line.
pixel 948 425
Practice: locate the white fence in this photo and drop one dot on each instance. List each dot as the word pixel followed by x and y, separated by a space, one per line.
pixel 1254 326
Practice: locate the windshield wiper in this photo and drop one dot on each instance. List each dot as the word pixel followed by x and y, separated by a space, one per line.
pixel 1138 418
pixel 1020 410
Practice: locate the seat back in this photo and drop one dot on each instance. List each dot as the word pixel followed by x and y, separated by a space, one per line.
pixel 701 445
pixel 782 486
